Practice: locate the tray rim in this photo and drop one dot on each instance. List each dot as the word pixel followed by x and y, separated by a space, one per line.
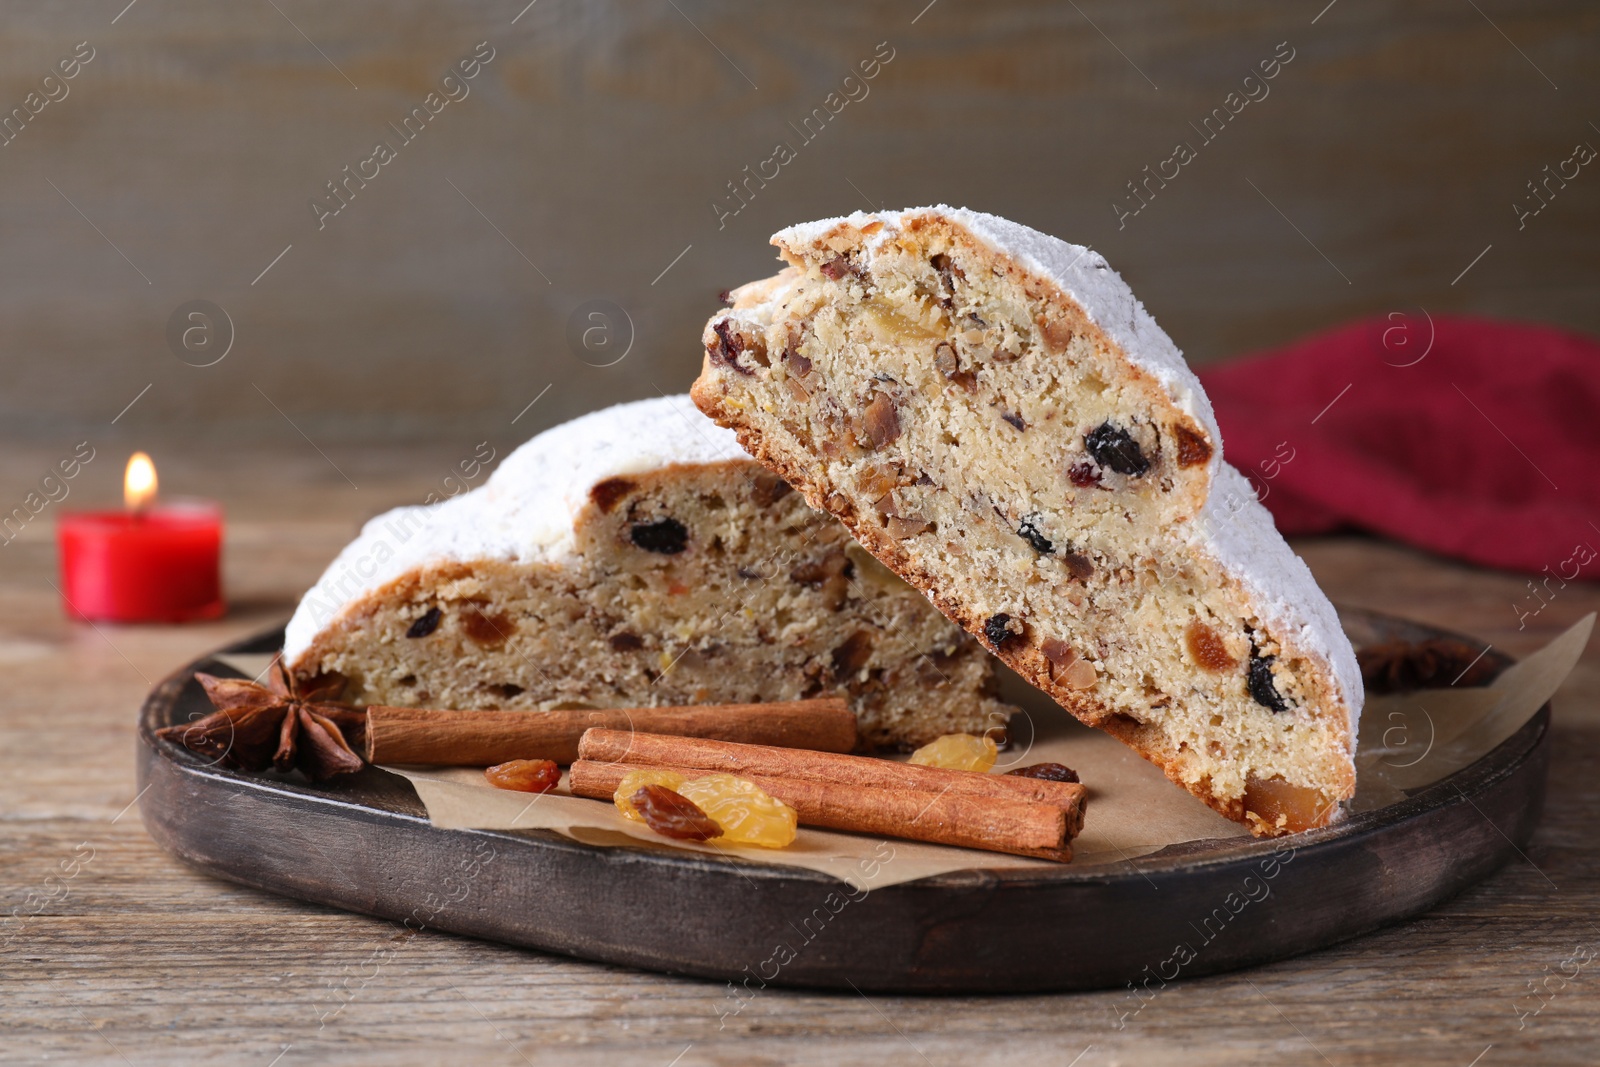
pixel 1173 864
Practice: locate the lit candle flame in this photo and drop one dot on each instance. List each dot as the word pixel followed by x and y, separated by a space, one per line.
pixel 139 482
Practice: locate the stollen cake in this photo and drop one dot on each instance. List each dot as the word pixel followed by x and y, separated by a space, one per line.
pixel 994 416
pixel 636 556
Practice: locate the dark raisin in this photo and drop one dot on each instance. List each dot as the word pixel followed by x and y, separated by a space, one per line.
pixel 626 642
pixel 997 628
pixel 768 489
pixel 837 268
pixel 1078 565
pixel 1015 420
pixel 673 815
pixel 426 624
pixel 948 272
pixel 852 655
pixel 1030 533
pixel 1083 475
pixel 1114 448
pixel 831 575
pixel 666 536
pixel 1049 772
pixel 725 297
pixel 606 494
pixel 1261 686
pixel 726 348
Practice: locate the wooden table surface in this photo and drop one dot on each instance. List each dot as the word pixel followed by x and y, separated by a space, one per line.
pixel 112 951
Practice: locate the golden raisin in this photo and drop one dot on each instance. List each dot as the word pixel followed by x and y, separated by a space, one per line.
pixel 673 815
pixel 525 775
pixel 958 752
pixel 634 781
pixel 490 631
pixel 747 814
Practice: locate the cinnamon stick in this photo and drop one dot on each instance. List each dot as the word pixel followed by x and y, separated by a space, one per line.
pixel 481 738
pixel 995 824
pixel 745 760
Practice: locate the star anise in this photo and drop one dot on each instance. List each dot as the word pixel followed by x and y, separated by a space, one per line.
pixel 284 724
pixel 1400 666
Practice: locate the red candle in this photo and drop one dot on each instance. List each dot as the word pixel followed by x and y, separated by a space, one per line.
pixel 143 564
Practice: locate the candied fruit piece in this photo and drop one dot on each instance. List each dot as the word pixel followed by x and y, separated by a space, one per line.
pixel 1277 804
pixel 634 781
pixel 747 814
pixel 958 752
pixel 491 631
pixel 1206 647
pixel 674 815
pixel 882 421
pixel 1083 475
pixel 1049 772
pixel 525 775
pixel 606 494
pixel 1193 449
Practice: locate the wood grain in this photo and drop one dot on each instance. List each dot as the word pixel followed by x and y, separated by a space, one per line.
pixel 590 151
pixel 138 959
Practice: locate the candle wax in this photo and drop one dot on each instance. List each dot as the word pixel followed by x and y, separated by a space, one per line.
pixel 157 565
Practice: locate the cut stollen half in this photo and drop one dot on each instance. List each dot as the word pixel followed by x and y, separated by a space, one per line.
pixel 636 556
pixel 993 415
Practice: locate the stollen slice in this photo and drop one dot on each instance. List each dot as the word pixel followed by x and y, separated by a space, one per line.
pixel 636 556
pixel 993 415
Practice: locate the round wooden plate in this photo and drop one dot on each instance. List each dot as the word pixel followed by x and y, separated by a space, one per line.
pixel 364 844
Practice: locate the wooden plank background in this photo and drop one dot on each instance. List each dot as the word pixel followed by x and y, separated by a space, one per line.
pixel 588 154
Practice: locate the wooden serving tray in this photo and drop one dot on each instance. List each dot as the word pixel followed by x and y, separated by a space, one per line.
pixel 364 844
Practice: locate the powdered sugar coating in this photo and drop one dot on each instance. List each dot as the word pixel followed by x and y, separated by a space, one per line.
pixel 1081 273
pixel 523 513
pixel 1236 530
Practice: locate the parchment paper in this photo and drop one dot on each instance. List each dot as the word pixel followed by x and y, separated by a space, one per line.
pixel 1406 741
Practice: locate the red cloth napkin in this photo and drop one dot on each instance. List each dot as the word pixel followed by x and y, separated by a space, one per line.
pixel 1468 437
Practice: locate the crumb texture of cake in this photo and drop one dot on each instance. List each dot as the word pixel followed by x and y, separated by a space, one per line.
pixel 634 557
pixel 993 415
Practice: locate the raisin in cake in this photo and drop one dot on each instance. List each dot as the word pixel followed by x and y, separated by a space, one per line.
pixel 636 556
pixel 996 417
